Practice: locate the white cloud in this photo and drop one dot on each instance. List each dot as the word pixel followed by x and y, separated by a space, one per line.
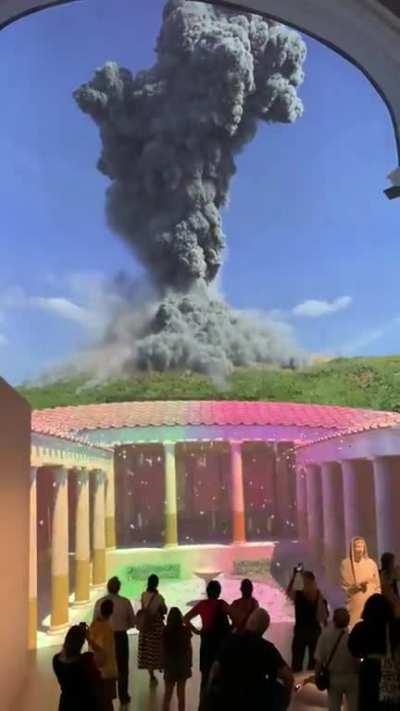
pixel 83 302
pixel 65 308
pixel 313 308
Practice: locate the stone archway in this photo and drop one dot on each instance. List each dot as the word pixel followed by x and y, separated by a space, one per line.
pixel 365 32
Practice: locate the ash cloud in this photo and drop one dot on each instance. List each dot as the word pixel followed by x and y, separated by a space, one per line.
pixel 169 138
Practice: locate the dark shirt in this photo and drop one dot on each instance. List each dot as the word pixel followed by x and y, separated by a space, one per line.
pixel 80 683
pixel 249 667
pixel 366 639
pixel 306 611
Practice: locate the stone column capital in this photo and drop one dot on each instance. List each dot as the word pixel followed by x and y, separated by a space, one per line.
pixel 170 446
pixel 60 474
pixel 100 476
pixel 236 444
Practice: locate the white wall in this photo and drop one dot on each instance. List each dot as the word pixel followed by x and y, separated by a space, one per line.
pixel 14 544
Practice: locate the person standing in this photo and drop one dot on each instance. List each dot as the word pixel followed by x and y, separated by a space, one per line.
pixel 246 672
pixel 359 578
pixel 389 576
pixel 77 674
pixel 333 653
pixel 215 629
pixel 177 655
pixel 122 620
pixel 242 608
pixel 152 614
pixel 101 640
pixel 374 640
pixel 311 614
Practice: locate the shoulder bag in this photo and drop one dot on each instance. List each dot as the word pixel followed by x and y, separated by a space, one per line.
pixel 322 676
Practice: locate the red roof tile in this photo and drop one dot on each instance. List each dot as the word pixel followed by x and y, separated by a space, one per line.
pixel 62 420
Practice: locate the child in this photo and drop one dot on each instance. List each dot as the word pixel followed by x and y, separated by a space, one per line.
pixel 101 640
pixel 177 652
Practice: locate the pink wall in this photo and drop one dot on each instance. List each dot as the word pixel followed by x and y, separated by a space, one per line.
pixel 14 543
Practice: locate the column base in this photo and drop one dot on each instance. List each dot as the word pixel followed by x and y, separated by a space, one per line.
pixel 55 630
pixel 59 602
pixel 82 581
pixel 99 567
pixel 110 532
pixel 98 587
pixel 80 603
pixel 239 527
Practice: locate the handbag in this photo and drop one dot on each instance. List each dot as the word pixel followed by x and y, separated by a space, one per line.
pixel 322 679
pixel 144 617
pixel 389 685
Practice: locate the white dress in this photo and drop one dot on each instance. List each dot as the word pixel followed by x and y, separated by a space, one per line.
pixel 353 573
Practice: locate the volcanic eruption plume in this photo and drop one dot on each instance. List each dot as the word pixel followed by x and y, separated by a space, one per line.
pixel 169 138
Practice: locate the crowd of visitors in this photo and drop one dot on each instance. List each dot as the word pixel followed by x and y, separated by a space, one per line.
pixel 239 668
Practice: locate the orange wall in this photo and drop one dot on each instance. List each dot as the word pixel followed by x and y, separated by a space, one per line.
pixel 14 543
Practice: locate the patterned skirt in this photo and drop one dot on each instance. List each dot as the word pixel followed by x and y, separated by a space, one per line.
pixel 150 654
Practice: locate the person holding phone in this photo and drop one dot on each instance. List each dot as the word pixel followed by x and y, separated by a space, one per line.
pixel 311 614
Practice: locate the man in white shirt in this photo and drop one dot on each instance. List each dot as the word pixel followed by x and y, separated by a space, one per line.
pixel 122 620
pixel 343 670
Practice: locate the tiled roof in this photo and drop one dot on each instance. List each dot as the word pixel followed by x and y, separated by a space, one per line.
pixel 62 420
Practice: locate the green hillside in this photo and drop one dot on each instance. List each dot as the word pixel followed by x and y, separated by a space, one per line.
pixel 356 382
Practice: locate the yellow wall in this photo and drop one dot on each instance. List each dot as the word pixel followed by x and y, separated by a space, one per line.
pixel 14 547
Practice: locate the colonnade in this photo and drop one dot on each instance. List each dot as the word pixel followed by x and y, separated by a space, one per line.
pixel 91 546
pixel 340 499
pixel 284 502
pixel 90 565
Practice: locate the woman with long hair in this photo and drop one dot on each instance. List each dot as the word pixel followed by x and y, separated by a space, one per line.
pixel 152 613
pixel 373 640
pixel 177 654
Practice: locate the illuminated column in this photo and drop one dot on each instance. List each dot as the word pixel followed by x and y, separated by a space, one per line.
pixel 237 494
pixel 82 539
pixel 32 628
pixel 171 518
pixel 59 552
pixel 110 507
pixel 99 529
pixel 359 501
pixel 314 508
pixel 301 495
pixel 333 518
pixel 387 495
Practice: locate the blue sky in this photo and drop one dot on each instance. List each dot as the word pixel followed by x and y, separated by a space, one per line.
pixel 307 221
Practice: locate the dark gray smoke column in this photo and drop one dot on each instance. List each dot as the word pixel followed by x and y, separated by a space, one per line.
pixel 169 137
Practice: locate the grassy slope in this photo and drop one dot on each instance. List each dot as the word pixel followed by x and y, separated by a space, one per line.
pixel 357 382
